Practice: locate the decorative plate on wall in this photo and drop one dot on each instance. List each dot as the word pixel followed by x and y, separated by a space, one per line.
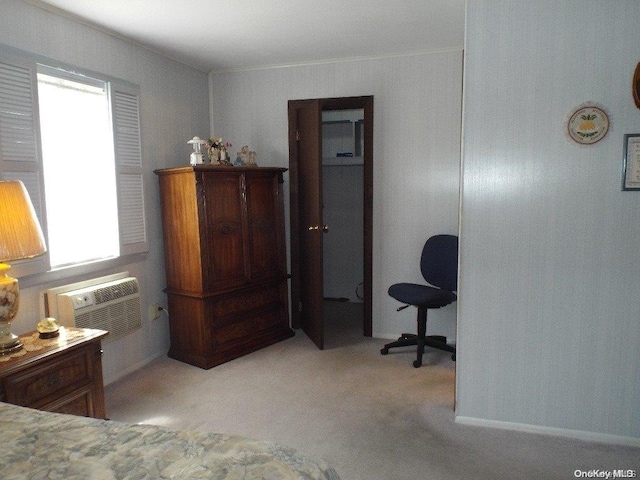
pixel 635 86
pixel 588 124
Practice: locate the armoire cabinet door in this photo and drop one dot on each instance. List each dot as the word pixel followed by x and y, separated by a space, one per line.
pixel 267 260
pixel 225 226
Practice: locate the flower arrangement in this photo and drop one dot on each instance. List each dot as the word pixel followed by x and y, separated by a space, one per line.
pixel 217 149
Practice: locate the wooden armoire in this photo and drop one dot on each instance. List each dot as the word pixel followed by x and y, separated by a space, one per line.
pixel 225 256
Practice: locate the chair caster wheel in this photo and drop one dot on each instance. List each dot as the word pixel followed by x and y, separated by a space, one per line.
pixel 384 351
pixel 417 364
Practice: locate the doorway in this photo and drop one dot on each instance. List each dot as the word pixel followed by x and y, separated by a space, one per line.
pixel 308 225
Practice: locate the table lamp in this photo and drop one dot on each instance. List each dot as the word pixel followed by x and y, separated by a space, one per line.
pixel 20 237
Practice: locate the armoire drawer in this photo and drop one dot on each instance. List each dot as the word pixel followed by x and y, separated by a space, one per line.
pixel 247 327
pixel 245 301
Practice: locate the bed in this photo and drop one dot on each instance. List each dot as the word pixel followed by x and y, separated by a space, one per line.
pixel 43 445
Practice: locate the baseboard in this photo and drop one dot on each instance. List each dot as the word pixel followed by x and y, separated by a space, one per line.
pixel 132 368
pixel 386 336
pixel 557 432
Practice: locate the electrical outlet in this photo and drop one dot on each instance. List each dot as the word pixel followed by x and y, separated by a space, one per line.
pixel 154 311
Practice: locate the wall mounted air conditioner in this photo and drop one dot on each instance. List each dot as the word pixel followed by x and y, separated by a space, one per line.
pixel 109 303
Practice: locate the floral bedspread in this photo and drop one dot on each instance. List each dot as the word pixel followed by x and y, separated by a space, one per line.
pixel 41 445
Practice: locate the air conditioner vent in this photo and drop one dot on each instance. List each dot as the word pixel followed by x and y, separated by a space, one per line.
pixel 112 292
pixel 119 319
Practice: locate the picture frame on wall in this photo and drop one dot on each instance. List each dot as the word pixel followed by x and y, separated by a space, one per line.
pixel 631 162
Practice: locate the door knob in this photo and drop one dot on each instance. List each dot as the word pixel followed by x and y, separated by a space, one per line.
pixel 325 228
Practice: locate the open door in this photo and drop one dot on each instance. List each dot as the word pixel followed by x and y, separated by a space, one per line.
pixel 305 158
pixel 306 219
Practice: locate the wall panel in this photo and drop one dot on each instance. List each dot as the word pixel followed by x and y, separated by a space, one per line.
pixel 548 314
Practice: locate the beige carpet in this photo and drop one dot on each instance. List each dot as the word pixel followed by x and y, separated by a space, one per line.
pixel 371 416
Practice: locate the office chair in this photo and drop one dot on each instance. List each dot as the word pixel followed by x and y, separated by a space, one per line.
pixel 439 267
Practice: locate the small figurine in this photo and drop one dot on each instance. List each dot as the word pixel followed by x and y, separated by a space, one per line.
pixel 245 157
pixel 48 328
pixel 217 149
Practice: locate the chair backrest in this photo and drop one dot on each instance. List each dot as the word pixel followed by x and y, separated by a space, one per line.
pixel 439 261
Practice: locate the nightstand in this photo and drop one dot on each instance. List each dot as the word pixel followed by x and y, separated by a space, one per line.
pixel 61 374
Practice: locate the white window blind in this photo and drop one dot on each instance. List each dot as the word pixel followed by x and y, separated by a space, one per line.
pixel 126 118
pixel 20 152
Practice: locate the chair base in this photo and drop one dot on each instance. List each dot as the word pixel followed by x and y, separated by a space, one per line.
pixel 410 339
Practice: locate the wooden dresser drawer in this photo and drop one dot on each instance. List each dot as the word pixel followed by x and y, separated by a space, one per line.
pixel 64 374
pixel 78 403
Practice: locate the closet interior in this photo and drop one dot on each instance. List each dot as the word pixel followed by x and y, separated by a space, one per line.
pixel 343 194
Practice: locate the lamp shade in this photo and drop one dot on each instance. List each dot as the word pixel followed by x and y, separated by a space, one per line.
pixel 20 232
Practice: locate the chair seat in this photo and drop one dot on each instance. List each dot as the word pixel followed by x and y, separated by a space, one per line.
pixel 421 295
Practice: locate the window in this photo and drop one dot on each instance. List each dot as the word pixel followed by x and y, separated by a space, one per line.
pixel 74 141
pixel 77 149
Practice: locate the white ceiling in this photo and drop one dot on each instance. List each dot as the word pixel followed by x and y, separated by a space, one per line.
pixel 230 34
